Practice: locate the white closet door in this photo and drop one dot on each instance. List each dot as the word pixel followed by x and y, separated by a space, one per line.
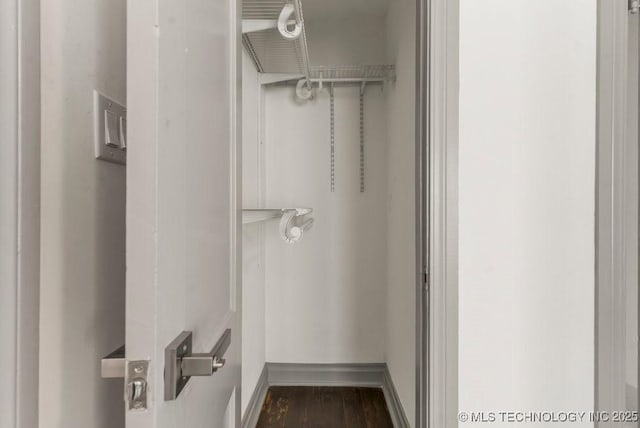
pixel 182 208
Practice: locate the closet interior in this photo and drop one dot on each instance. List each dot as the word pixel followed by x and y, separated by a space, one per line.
pixel 328 104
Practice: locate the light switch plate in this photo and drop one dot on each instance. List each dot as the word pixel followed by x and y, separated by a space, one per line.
pixel 109 146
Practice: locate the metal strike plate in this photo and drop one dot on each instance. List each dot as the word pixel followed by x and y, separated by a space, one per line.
pixel 113 365
pixel 136 387
pixel 174 382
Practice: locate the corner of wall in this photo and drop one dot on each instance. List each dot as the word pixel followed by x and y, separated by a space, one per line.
pixel 401 320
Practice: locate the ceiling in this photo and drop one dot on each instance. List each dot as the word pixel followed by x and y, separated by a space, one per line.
pixel 317 10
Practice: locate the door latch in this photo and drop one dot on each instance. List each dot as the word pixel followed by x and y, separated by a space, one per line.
pixel 135 375
pixel 634 6
pixel 136 385
pixel 180 363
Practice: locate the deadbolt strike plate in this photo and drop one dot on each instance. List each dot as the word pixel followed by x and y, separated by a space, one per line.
pixel 136 387
pixel 174 382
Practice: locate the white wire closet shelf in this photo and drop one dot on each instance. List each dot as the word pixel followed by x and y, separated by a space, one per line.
pixel 270 51
pixel 360 72
pixel 282 60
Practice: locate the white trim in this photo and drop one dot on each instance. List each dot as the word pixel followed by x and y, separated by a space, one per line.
pixel 8 209
pixel 437 216
pixel 20 219
pixel 610 176
pixel 252 413
pixel 398 416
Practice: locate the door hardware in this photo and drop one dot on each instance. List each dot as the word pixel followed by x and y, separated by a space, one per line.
pixel 113 365
pixel 634 6
pixel 136 385
pixel 135 389
pixel 134 373
pixel 180 363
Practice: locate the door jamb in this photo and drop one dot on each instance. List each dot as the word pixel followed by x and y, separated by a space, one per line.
pixel 609 394
pixel 437 213
pixel 20 203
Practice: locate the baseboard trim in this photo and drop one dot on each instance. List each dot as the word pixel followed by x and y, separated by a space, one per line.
pixel 374 375
pixel 325 374
pixel 251 415
pixel 398 417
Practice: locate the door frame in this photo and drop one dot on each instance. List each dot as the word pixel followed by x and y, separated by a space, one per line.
pixel 610 266
pixel 436 132
pixel 436 208
pixel 20 211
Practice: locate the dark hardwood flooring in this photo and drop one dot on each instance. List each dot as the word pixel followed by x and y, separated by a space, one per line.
pixel 324 407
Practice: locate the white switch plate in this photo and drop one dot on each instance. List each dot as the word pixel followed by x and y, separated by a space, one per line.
pixel 103 108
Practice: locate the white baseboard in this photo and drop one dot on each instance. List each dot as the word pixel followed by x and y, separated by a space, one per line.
pixel 252 413
pixel 363 375
pixel 398 417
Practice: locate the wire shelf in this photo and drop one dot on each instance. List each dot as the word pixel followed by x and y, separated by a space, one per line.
pixel 270 52
pixel 262 9
pixel 353 72
pixel 273 54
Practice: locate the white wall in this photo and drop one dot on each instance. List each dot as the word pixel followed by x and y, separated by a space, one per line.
pixel 83 216
pixel 349 40
pixel 527 159
pixel 253 257
pixel 326 294
pixel 401 256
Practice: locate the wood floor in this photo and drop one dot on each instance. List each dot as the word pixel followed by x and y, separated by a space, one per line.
pixel 324 407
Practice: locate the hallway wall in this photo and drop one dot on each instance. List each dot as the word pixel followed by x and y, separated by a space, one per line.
pixel 83 216
pixel 527 203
